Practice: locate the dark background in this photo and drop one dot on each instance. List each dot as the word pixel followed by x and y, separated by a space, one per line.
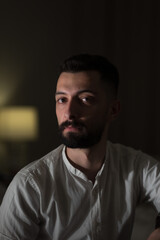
pixel 35 37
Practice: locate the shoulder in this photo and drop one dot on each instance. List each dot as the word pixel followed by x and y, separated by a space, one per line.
pixel 35 180
pixel 39 173
pixel 129 156
pixel 43 164
pixel 121 150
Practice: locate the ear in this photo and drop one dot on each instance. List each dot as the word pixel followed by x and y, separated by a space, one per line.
pixel 114 109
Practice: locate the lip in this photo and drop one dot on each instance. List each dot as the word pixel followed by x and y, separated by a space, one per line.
pixel 71 129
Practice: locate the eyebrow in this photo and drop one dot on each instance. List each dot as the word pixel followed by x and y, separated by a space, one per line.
pixel 79 92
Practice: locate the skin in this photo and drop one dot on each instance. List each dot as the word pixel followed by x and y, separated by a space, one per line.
pixel 155 235
pixel 82 96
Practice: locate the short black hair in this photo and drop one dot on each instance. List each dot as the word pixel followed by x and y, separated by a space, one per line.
pixel 87 62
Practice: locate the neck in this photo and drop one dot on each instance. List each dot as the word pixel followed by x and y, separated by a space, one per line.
pixel 88 160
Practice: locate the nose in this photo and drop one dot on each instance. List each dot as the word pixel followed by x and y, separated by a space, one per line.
pixel 71 111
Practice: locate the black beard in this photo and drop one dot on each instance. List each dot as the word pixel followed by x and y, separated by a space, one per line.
pixel 78 140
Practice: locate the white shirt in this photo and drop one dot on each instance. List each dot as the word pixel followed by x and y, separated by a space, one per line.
pixel 51 200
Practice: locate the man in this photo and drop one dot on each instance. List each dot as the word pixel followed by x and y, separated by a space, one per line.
pixel 87 188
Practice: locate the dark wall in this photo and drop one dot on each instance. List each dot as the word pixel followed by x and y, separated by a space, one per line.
pixel 36 36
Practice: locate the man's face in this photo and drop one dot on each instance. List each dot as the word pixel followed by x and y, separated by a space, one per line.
pixel 83 110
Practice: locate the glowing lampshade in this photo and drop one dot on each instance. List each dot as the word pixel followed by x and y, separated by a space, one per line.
pixel 18 123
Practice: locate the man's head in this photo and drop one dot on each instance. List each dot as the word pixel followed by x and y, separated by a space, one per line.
pixel 85 62
pixel 86 100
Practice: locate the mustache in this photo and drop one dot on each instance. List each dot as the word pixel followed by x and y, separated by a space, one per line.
pixel 71 123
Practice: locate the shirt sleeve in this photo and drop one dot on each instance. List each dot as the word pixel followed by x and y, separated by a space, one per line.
pixel 19 209
pixel 150 178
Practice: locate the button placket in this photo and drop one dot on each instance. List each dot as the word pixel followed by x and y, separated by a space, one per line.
pixel 95 212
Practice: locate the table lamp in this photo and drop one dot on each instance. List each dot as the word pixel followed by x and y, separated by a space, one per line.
pixel 18 126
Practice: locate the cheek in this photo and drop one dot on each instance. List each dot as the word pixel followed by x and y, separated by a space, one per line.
pixel 101 114
pixel 58 115
pixel 96 118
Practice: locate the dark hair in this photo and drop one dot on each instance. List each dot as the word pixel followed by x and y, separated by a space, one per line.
pixel 87 62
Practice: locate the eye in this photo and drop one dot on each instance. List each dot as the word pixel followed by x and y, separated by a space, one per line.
pixel 61 100
pixel 85 99
pixel 88 100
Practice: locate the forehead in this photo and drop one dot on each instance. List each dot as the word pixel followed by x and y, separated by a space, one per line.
pixel 81 80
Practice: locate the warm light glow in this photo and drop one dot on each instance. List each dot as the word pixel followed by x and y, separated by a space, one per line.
pixel 18 123
pixel 9 81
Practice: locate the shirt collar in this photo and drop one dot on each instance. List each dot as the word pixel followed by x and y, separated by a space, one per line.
pixel 77 172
